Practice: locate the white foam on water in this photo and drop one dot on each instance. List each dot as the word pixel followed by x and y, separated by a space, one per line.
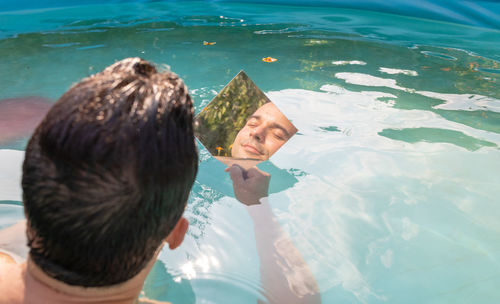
pixel 398 71
pixel 331 88
pixel 466 102
pixel 348 62
pixel 368 80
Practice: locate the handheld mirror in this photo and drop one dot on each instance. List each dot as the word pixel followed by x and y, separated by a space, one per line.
pixel 241 125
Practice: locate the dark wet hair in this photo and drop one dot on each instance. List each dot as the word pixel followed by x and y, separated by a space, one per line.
pixel 107 174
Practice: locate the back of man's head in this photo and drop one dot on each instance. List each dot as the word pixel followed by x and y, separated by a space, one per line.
pixel 107 174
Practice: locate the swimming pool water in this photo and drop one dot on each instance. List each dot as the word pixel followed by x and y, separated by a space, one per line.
pixel 390 189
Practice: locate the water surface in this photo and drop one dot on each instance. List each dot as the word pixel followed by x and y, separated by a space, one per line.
pixel 390 189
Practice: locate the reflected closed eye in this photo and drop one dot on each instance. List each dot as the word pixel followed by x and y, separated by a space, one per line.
pixel 279 135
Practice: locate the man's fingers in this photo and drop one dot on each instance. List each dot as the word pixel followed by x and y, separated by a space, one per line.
pixel 256 172
pixel 236 173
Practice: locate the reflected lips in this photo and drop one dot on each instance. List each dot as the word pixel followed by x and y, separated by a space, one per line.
pixel 251 149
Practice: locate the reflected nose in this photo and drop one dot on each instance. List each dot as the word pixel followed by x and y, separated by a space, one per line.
pixel 259 133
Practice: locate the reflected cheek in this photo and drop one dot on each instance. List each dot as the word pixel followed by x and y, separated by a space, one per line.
pixel 237 143
pixel 245 132
pixel 242 136
pixel 274 146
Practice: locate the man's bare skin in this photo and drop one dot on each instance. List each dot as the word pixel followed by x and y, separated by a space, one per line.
pixel 26 283
pixel 6 259
pixel 263 134
pixel 20 116
pixel 13 240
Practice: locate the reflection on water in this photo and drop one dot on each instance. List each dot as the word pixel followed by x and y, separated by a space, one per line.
pixel 387 215
pixel 413 135
pixel 391 183
pixel 389 197
pixel 162 286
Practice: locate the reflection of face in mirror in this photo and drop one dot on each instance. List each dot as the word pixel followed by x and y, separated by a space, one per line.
pixel 241 125
pixel 266 130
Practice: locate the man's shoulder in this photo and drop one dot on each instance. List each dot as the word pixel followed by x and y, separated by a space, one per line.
pixel 11 280
pixel 6 259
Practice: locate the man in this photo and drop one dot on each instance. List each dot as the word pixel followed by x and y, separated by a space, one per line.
pixel 263 134
pixel 106 178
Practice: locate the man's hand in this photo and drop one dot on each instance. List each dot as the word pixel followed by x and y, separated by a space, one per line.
pixel 249 185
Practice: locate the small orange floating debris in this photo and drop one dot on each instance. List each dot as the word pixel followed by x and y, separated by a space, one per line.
pixel 473 66
pixel 445 69
pixel 208 43
pixel 269 59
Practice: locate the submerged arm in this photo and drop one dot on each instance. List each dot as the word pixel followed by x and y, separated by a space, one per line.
pixel 284 273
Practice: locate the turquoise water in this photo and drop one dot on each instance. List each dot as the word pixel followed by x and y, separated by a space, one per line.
pixel 390 189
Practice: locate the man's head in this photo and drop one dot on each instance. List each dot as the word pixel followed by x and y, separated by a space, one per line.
pixel 263 134
pixel 107 174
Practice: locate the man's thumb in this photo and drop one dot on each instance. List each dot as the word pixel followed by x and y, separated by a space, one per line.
pixel 236 173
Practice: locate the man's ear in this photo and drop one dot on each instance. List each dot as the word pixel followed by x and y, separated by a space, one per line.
pixel 176 236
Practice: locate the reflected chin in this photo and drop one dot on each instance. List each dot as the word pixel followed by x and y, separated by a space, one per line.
pixel 241 152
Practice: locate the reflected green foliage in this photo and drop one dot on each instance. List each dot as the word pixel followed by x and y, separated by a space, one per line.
pixel 220 121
